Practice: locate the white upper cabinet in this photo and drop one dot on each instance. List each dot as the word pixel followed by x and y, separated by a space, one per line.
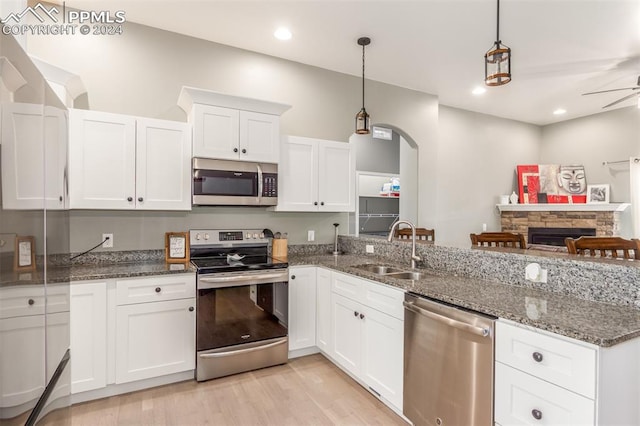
pixel 231 127
pixel 123 162
pixel 316 175
pixel 31 135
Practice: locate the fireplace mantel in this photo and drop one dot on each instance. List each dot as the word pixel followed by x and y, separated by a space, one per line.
pixel 605 207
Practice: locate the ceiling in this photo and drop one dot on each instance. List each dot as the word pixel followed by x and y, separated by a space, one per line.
pixel 561 48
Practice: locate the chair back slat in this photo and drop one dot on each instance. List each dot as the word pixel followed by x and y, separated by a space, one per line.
pixel 612 247
pixel 422 234
pixel 499 239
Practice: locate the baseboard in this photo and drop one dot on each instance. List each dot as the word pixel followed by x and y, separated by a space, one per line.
pixel 117 389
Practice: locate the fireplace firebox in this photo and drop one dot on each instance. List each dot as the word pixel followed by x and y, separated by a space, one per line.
pixel 556 236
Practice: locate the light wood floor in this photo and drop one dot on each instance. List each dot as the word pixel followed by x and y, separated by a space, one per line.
pixel 306 391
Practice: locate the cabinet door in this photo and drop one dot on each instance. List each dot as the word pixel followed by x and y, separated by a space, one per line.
pixel 302 308
pixel 347 333
pixel 55 148
pixel 163 165
pixel 155 339
pixel 22 156
pixel 216 132
pixel 102 169
pixel 23 360
pixel 324 339
pixel 382 365
pixel 336 177
pixel 88 336
pixel 259 137
pixel 298 175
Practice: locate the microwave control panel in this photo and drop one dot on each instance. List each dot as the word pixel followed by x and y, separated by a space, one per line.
pixel 269 185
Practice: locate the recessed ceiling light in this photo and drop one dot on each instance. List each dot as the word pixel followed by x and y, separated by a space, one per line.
pixel 560 111
pixel 478 90
pixel 282 33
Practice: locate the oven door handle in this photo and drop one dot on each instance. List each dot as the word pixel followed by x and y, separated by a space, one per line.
pixel 220 281
pixel 243 351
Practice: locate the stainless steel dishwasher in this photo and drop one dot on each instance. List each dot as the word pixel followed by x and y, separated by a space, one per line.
pixel 448 364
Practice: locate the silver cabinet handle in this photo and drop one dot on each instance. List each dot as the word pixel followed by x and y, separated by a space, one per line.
pixel 484 332
pixel 221 280
pixel 243 351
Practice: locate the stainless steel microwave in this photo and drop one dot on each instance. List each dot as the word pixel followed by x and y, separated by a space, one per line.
pixel 234 183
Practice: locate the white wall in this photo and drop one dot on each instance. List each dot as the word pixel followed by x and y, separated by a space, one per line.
pixel 477 156
pixel 608 136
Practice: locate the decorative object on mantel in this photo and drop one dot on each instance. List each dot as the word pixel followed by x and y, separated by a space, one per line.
pixel 24 255
pixel 598 194
pixel 552 183
pixel 176 247
pixel 362 118
pixel 513 198
pixel 497 61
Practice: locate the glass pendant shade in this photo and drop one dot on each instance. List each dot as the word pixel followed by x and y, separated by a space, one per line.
pixel 362 122
pixel 497 65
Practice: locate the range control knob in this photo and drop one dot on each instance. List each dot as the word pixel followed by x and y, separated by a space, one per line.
pixel 255 236
pixel 248 235
pixel 206 236
pixel 198 236
pixel 262 235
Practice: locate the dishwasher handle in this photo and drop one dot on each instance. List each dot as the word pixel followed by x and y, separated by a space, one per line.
pixel 480 331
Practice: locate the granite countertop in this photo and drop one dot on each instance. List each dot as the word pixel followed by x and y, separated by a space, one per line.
pixel 91 271
pixel 601 324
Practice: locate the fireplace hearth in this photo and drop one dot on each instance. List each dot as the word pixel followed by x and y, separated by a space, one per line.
pixel 556 236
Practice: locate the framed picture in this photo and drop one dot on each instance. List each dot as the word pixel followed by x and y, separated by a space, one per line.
pixel 598 194
pixel 176 247
pixel 24 254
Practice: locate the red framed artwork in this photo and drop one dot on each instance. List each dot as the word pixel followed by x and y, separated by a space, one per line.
pixel 551 184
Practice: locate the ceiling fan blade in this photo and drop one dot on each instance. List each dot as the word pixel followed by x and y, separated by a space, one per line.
pixel 611 90
pixel 621 100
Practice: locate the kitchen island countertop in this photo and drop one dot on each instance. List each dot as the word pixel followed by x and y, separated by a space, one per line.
pixel 598 323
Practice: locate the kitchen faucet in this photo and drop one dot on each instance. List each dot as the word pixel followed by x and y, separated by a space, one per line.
pixel 414 258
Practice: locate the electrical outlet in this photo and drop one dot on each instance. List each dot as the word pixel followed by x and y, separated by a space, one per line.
pixel 484 227
pixel 369 248
pixel 109 242
pixel 311 235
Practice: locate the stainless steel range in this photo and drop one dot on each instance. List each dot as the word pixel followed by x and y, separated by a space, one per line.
pixel 242 302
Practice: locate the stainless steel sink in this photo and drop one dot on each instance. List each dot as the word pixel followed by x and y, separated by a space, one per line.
pixel 405 275
pixel 379 269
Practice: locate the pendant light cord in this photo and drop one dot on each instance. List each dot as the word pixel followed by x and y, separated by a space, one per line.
pixel 498 23
pixel 363 76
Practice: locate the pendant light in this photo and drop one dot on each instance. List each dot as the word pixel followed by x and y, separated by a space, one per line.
pixel 362 118
pixel 497 61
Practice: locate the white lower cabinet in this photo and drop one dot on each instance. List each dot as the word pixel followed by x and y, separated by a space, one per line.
pixel 302 308
pixel 543 378
pixel 154 339
pixel 120 325
pixel 366 342
pixel 88 336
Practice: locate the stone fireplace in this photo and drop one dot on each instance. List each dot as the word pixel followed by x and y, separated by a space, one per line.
pixel 602 220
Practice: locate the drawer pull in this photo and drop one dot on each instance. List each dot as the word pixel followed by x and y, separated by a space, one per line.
pixel 190 308
pixel 537 356
pixel 31 302
pixel 293 277
pixel 537 414
pixel 158 289
pixel 361 316
pixel 355 314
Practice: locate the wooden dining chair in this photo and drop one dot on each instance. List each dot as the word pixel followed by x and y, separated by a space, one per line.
pixel 499 239
pixel 422 234
pixel 604 247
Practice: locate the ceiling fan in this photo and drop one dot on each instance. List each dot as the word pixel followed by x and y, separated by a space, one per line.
pixel 636 92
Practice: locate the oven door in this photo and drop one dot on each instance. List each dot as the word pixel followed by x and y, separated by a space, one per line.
pixel 221 182
pixel 241 322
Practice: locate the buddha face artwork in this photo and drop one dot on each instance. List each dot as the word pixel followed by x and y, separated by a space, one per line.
pixel 572 180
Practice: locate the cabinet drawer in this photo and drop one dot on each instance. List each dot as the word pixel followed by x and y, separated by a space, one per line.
pixel 564 363
pixel 348 286
pixel 522 399
pixel 155 289
pixel 385 299
pixel 21 301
